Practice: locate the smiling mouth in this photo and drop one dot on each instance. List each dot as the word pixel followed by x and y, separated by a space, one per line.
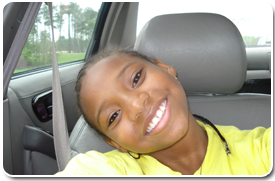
pixel 158 116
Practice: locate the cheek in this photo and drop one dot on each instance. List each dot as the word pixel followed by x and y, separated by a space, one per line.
pixel 130 140
pixel 128 135
pixel 157 84
pixel 179 108
pixel 159 80
pixel 162 83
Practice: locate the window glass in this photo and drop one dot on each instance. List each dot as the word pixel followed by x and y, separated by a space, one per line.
pixel 74 23
pixel 253 18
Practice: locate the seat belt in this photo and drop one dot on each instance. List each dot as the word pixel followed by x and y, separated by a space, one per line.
pixel 19 43
pixel 61 137
pixel 60 130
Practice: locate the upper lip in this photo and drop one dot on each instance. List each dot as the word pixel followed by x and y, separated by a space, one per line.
pixel 151 114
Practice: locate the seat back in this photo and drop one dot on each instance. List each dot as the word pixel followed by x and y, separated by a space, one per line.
pixel 258 77
pixel 258 63
pixel 207 50
pixel 209 55
pixel 83 138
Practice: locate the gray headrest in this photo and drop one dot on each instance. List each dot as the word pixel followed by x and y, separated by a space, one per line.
pixel 207 50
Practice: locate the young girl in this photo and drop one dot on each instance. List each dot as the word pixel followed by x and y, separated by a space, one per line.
pixel 140 108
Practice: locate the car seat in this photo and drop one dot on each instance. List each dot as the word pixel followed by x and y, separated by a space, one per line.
pixel 258 76
pixel 209 55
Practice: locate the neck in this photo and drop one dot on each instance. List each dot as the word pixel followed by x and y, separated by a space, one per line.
pixel 186 155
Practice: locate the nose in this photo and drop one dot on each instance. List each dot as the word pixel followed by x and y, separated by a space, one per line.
pixel 137 104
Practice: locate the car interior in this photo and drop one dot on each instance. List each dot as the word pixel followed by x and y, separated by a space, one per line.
pixel 225 81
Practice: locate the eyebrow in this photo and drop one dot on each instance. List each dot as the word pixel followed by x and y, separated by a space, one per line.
pixel 124 68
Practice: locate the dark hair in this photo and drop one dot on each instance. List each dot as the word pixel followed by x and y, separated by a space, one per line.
pixel 91 61
pixel 206 121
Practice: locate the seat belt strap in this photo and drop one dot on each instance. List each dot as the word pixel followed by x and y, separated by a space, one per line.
pixel 60 130
pixel 19 43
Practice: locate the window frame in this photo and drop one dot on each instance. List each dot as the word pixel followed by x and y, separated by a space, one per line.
pixel 91 49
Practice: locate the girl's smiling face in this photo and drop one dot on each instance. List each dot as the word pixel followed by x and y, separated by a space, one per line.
pixel 138 105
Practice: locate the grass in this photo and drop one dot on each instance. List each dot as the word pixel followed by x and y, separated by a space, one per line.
pixel 69 57
pixel 61 58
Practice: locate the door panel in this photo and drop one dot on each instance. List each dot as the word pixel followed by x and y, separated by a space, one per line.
pixel 7 158
pixel 19 112
pixel 23 88
pixel 27 87
pixel 42 106
pixel 18 119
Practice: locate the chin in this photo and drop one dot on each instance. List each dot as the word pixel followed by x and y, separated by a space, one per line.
pixel 179 117
pixel 177 132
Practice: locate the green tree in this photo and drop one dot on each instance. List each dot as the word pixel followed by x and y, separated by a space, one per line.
pixel 45 48
pixel 84 22
pixel 30 50
pixel 75 10
pixel 251 40
pixel 59 21
pixel 89 18
pixel 45 15
pixel 34 32
pixel 27 53
pixel 78 21
pixel 37 51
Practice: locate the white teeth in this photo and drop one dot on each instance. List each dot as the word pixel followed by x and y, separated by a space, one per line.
pixel 157 117
pixel 155 121
pixel 152 125
pixel 149 129
pixel 162 108
pixel 159 113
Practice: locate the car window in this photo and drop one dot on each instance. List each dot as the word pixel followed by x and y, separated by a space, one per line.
pixel 74 23
pixel 252 18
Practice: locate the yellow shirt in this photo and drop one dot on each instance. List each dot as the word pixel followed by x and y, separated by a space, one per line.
pixel 250 155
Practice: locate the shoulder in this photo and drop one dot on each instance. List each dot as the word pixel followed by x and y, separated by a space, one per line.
pixel 90 163
pixel 253 147
pixel 256 137
pixel 232 132
pixel 114 163
pixel 145 165
pixel 96 163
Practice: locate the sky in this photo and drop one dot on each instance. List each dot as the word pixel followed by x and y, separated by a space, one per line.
pixel 254 18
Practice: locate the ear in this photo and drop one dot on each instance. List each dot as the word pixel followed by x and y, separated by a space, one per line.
pixel 171 70
pixel 114 144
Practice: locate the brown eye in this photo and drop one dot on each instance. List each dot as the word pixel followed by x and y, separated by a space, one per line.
pixel 137 77
pixel 113 117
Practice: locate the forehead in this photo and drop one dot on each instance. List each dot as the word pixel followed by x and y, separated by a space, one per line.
pixel 108 68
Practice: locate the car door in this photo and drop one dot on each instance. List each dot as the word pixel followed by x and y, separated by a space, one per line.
pixel 81 29
pixel 28 105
